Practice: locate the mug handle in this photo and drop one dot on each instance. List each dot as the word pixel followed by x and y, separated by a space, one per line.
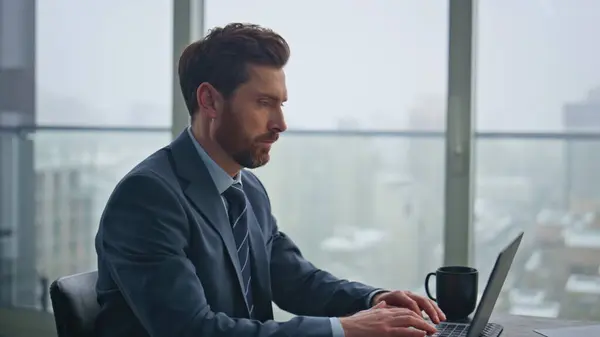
pixel 427 285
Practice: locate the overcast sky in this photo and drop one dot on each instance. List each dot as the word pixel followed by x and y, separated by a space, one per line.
pixel 109 62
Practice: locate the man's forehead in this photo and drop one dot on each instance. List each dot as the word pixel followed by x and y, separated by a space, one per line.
pixel 268 80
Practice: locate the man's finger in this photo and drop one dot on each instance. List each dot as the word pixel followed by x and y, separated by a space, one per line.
pixel 417 323
pixel 411 304
pixel 428 307
pixel 408 332
pixel 399 312
pixel 379 305
pixel 440 313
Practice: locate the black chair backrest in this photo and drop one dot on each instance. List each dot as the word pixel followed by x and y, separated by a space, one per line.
pixel 75 305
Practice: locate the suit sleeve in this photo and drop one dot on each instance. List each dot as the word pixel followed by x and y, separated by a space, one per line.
pixel 143 241
pixel 303 289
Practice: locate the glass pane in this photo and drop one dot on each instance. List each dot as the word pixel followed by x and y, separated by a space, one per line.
pixel 533 58
pixel 364 206
pixel 74 174
pixel 540 73
pixel 350 59
pixel 104 62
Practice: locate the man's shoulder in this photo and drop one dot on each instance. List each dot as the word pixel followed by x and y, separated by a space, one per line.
pixel 158 165
pixel 157 162
pixel 151 186
pixel 155 169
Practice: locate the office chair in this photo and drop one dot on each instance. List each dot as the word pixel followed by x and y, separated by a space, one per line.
pixel 75 305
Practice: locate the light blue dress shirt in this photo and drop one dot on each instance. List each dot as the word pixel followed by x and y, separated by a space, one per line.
pixel 223 181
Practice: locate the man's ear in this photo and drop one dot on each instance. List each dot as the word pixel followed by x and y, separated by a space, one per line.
pixel 209 100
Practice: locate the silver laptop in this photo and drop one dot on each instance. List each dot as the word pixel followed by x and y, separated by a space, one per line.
pixel 479 326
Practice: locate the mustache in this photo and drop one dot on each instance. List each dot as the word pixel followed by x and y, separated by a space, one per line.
pixel 268 137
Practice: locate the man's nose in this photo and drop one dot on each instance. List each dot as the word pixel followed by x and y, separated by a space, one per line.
pixel 277 123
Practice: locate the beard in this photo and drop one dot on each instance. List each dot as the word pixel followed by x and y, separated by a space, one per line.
pixel 252 158
pixel 245 150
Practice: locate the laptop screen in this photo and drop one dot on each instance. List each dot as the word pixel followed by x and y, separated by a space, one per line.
pixel 493 287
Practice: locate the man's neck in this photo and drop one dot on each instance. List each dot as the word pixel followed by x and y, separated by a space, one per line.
pixel 216 153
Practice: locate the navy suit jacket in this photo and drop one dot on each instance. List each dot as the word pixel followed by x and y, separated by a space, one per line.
pixel 168 267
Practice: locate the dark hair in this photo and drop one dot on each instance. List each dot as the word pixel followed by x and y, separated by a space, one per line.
pixel 221 58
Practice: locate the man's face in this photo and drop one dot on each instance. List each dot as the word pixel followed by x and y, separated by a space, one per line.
pixel 252 118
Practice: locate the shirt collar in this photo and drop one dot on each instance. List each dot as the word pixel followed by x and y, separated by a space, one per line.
pixel 221 179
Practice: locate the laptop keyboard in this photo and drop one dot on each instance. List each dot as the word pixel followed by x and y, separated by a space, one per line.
pixel 460 330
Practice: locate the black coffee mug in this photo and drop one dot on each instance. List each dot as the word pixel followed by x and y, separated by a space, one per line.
pixel 456 291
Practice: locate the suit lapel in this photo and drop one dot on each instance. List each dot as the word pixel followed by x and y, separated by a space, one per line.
pixel 203 193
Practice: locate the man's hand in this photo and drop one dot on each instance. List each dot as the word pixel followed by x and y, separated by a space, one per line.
pixel 386 321
pixel 408 300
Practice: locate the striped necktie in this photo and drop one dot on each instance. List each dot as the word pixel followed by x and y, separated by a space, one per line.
pixel 237 212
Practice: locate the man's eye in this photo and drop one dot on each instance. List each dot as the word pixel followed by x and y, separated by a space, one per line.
pixel 264 102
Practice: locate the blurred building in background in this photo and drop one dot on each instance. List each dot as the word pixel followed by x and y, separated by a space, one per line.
pixel 66 220
pixel 582 158
pixel 561 277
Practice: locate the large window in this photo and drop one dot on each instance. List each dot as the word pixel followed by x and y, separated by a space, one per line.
pixel 98 64
pixel 360 202
pixel 538 72
pixel 86 65
pixel 104 63
pixel 360 178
